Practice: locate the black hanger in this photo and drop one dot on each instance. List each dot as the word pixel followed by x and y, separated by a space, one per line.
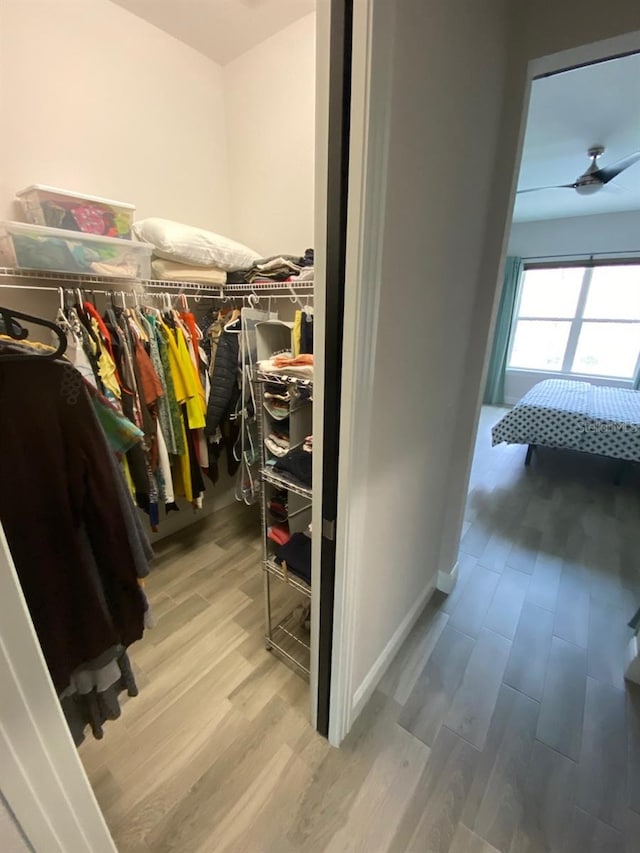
pixel 19 333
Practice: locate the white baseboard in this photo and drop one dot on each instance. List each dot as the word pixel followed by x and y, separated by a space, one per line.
pixel 632 662
pixel 447 580
pixel 364 691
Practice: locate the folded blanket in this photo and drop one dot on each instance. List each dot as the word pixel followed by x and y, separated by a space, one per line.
pixel 283 360
pixel 299 371
pixel 172 270
pixel 275 268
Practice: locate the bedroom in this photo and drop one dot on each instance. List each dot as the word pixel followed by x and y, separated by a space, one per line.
pixel 548 557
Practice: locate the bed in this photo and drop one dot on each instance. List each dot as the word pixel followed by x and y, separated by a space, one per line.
pixel 597 419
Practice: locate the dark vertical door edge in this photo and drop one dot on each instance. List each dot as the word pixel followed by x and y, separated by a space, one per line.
pixel 337 184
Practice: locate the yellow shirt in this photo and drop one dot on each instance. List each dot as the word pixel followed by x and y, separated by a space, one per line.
pixel 182 484
pixel 106 367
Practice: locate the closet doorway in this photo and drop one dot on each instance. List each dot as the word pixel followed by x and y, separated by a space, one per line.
pixel 212 690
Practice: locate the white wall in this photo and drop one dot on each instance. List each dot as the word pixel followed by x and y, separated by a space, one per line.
pixel 616 233
pixel 270 103
pixel 94 99
pixel 445 86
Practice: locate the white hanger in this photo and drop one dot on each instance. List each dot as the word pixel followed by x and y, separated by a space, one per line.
pixel 237 321
pixel 294 298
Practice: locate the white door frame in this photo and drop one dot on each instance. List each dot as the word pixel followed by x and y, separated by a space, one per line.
pixel 41 775
pixel 367 186
pixel 367 176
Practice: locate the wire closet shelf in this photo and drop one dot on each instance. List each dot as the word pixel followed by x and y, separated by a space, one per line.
pixel 84 280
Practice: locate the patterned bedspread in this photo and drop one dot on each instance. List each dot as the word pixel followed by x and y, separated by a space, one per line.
pixel 575 415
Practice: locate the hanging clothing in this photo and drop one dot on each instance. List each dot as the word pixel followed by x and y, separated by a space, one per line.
pixel 74 561
pixel 224 382
pixel 75 351
pixel 306 333
pixel 297 333
pixel 121 433
pixel 92 697
pixel 177 446
pixel 164 415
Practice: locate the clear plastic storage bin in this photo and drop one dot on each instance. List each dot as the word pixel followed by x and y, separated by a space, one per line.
pixel 57 208
pixel 36 248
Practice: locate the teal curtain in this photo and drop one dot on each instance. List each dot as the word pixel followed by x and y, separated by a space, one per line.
pixel 494 389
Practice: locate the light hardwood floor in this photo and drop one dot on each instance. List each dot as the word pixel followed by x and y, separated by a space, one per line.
pixel 504 723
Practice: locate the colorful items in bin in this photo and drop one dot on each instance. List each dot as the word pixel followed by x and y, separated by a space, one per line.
pixel 40 248
pixel 57 208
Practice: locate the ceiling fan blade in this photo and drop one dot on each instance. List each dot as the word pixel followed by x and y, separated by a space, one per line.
pixel 608 173
pixel 554 187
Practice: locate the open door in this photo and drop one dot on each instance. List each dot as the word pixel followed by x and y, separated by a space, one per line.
pixel 336 238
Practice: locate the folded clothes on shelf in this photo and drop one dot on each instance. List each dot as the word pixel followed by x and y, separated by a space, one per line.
pixel 277 444
pixel 305 274
pixel 279 533
pixel 275 268
pixel 279 394
pixel 278 505
pixel 296 555
pixel 284 364
pixel 277 405
pixel 286 360
pixel 176 271
pixel 297 463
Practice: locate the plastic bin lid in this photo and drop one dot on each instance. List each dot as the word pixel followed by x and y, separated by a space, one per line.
pixel 72 194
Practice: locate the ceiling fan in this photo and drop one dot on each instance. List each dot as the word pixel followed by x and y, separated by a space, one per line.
pixel 595 178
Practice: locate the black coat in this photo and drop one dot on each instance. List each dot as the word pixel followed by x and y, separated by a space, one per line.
pixel 224 382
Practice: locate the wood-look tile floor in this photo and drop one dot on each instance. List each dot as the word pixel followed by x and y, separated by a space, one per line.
pixel 504 723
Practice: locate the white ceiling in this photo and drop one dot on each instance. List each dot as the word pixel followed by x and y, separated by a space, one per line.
pixel 568 113
pixel 220 29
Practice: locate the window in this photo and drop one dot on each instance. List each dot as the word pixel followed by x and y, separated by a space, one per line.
pixel 583 320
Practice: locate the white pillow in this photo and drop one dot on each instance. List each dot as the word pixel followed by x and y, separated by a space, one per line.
pixel 177 242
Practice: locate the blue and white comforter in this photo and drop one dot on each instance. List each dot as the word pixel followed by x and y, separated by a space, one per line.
pixel 575 415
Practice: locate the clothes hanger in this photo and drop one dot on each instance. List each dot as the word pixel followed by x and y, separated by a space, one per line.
pixel 16 331
pixel 295 299
pixel 233 327
pixel 62 318
pixel 134 318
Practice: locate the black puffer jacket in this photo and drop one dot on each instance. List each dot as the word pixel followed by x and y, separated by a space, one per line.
pixel 224 382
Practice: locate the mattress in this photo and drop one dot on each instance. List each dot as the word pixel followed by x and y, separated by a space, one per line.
pixel 562 413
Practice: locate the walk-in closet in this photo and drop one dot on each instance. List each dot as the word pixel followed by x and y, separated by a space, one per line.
pixel 157 348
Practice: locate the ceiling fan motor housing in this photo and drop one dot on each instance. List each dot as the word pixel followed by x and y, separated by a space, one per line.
pixel 586 184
